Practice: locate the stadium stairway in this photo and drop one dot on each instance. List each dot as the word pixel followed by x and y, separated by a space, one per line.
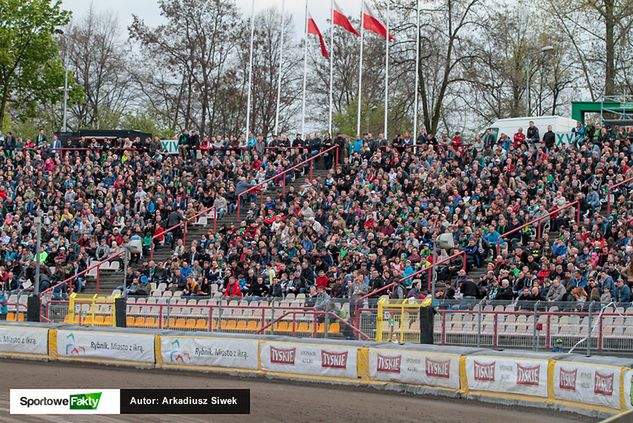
pixel 110 280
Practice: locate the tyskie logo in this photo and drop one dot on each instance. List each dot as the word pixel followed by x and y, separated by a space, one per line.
pixel 388 364
pixel 485 372
pixel 603 384
pixel 438 368
pixel 528 375
pixel 282 356
pixel 567 379
pixel 334 360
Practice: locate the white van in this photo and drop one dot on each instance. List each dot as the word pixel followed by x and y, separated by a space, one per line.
pixel 561 126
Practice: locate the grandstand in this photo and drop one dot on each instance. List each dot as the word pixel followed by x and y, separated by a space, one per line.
pixel 299 219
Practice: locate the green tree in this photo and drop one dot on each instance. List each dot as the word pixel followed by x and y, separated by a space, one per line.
pixel 31 70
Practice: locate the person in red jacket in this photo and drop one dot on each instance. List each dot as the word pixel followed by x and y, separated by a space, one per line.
pixel 322 280
pixel 519 138
pixel 233 288
pixel 457 141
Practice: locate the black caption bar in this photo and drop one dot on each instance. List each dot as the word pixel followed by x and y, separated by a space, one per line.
pixel 185 401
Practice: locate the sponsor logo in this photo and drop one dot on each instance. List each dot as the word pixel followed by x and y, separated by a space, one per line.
pixel 282 356
pixel 485 372
pixel 85 401
pixel 528 375
pixel 334 360
pixel 176 356
pixel 567 379
pixel 71 346
pixel 388 364
pixel 438 368
pixel 603 384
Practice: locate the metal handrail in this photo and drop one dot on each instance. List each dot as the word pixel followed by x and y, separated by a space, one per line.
pixel 538 221
pixel 184 224
pixel 626 181
pixel 419 272
pixel 83 272
pixel 260 185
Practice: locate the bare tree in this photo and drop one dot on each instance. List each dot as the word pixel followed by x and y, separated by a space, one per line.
pixel 98 59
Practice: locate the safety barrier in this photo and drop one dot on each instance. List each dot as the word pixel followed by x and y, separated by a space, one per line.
pixel 281 177
pixel 597 386
pixel 539 222
pixel 609 191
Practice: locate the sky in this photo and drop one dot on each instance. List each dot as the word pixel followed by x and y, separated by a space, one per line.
pixel 149 11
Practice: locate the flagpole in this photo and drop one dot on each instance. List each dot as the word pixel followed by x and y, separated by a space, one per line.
pixel 305 74
pixel 387 76
pixel 360 67
pixel 417 76
pixel 250 72
pixel 281 55
pixel 331 65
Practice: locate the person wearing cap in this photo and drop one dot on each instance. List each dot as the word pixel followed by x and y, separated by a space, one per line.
pixel 558 346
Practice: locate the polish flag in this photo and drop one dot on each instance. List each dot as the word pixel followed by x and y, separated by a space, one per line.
pixel 373 24
pixel 314 29
pixel 341 20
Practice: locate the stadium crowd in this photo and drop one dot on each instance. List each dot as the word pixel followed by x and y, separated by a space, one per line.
pixel 369 222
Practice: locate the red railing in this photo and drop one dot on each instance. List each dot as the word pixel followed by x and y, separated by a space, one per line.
pixel 184 224
pixel 540 327
pixel 82 273
pixel 314 313
pixel 612 187
pixel 428 270
pixel 261 186
pixel 538 221
pixel 216 318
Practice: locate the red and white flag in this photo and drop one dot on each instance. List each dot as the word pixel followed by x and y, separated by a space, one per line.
pixel 314 29
pixel 341 20
pixel 373 24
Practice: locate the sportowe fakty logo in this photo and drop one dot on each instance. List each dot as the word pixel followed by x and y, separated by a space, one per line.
pixel 86 401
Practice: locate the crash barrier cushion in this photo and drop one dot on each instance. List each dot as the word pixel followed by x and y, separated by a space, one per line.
pixel 597 386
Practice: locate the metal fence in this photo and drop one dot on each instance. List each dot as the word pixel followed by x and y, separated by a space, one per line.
pixel 538 326
pixel 277 316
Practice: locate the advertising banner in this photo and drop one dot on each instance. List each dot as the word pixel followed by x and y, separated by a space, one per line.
pixel 115 346
pixel 169 146
pixel 507 375
pixel 23 339
pixel 628 392
pixel 187 351
pixel 587 383
pixel 319 360
pixel 415 367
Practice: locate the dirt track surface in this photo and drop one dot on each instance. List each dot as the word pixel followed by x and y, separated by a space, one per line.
pixel 271 401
